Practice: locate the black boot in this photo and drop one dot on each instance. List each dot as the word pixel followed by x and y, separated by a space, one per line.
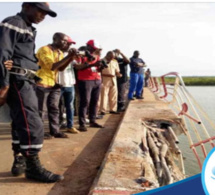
pixel 34 170
pixel 19 165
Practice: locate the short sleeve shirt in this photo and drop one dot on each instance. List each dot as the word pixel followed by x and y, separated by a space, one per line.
pixel 112 69
pixel 91 73
pixel 46 58
pixel 134 68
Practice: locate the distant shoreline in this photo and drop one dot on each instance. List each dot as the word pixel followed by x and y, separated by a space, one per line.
pixel 194 80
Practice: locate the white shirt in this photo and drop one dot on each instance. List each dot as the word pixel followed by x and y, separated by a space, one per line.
pixel 67 77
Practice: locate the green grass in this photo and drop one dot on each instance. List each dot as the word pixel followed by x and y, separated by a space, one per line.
pixel 194 81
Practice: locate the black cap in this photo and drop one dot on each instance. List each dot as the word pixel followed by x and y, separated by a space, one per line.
pixel 43 6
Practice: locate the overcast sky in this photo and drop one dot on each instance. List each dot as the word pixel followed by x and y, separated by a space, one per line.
pixel 170 36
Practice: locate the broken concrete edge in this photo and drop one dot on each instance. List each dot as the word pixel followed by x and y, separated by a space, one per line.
pixel 97 189
pixel 93 189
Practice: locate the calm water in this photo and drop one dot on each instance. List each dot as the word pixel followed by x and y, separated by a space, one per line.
pixel 203 95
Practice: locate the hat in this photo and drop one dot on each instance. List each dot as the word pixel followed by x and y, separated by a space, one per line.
pixel 94 44
pixel 70 40
pixel 43 6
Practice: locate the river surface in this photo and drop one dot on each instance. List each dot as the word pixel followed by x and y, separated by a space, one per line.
pixel 205 96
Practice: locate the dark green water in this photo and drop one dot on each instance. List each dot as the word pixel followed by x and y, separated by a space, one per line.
pixel 205 96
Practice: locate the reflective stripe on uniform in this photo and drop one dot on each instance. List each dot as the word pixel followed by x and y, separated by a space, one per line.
pixel 15 141
pixel 17 29
pixel 38 146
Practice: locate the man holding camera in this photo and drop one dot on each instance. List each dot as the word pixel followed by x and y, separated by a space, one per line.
pixel 89 84
pixel 51 61
pixel 17 43
pixel 67 81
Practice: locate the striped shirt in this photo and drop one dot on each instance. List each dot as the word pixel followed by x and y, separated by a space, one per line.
pixel 17 43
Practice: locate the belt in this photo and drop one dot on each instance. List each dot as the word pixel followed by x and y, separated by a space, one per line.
pixel 19 71
pixel 27 73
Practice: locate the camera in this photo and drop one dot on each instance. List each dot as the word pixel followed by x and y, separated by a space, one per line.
pixel 104 64
pixel 86 54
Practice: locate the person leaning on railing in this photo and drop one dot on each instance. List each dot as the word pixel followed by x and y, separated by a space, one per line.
pixel 17 43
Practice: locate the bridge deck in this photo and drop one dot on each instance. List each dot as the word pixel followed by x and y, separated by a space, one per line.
pixel 77 158
pixel 80 157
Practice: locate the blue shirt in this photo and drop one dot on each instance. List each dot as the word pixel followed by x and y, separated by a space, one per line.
pixel 134 67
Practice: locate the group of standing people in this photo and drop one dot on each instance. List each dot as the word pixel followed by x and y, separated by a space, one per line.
pixel 32 84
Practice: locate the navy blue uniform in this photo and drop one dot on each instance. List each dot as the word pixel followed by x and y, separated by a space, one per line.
pixel 17 43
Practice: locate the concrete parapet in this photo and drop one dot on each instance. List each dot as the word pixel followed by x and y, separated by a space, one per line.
pixel 127 168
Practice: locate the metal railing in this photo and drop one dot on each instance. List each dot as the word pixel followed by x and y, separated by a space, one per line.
pixel 197 125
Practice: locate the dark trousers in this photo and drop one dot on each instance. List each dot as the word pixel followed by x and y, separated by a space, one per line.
pixel 27 126
pixel 121 94
pixel 89 92
pixel 146 81
pixel 49 98
pixel 77 100
pixel 61 109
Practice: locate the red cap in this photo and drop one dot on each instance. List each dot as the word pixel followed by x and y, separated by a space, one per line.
pixel 70 40
pixel 94 44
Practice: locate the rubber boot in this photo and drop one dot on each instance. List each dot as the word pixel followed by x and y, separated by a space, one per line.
pixel 34 170
pixel 19 165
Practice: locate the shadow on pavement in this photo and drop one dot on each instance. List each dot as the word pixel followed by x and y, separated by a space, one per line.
pixel 80 175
